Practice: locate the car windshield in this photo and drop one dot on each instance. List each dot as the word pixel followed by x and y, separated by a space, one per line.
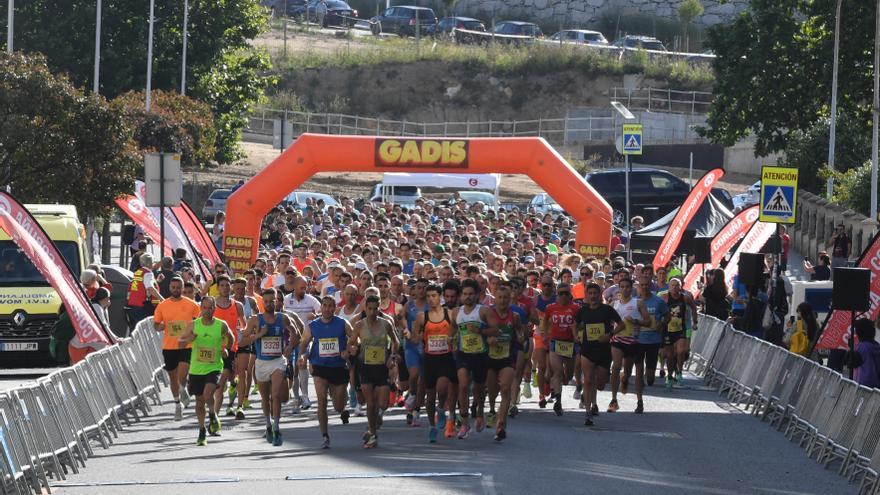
pixel 17 270
pixel 474 196
pixel 653 45
pixel 403 190
pixel 336 4
pixel 221 194
pixel 594 38
pixel 473 25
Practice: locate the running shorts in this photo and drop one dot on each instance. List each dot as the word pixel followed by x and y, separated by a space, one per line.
pixel 265 368
pixel 196 383
pixel 173 357
pixel 229 361
pixel 670 338
pixel 335 375
pixel 630 350
pixel 373 374
pixel 477 364
pixel 439 366
pixel 598 354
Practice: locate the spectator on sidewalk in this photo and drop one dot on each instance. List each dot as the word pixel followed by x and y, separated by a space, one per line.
pixel 801 333
pixel 867 353
pixel 715 300
pixel 840 245
pixel 822 271
pixel 786 245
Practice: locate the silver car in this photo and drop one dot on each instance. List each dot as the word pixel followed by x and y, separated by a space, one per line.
pixel 215 202
pixel 543 203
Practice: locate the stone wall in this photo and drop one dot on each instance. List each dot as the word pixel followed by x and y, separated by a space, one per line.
pixel 816 218
pixel 586 13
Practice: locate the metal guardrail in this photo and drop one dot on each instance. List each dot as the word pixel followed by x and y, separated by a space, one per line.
pixel 601 127
pixel 663 100
pixel 48 428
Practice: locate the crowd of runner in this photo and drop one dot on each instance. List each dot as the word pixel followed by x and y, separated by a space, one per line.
pixel 440 308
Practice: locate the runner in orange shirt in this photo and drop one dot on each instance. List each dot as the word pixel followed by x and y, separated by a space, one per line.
pixel 172 317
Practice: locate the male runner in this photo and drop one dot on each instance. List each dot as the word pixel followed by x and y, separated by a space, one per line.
pixel 625 344
pixel 268 331
pixel 558 328
pixel 546 297
pixel 650 336
pixel 475 323
pixel 375 344
pixel 231 312
pixel 412 351
pixel 596 321
pixel 503 351
pixel 244 359
pixel 675 340
pixel 211 341
pixel 350 311
pixel 172 316
pixel 328 337
pixel 436 333
pixel 523 376
pixel 306 307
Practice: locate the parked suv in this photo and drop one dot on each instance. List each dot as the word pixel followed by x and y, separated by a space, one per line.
pixel 652 192
pixel 402 20
pixel 643 42
pixel 519 28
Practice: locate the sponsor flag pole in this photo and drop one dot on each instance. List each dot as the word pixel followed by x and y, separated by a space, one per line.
pixel 684 216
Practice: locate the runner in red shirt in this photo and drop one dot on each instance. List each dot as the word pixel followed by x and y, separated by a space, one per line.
pixel 559 329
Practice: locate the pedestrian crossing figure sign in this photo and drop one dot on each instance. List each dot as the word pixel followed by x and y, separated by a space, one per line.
pixel 778 194
pixel 632 139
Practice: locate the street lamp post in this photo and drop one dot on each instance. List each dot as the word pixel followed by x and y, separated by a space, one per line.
pixel 10 17
pixel 829 190
pixel 150 55
pixel 876 112
pixel 96 77
pixel 627 115
pixel 183 54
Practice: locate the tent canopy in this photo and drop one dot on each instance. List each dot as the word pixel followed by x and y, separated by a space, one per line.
pixel 490 182
pixel 707 221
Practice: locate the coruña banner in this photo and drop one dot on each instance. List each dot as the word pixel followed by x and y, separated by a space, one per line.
pixel 195 231
pixel 684 216
pixel 30 237
pixel 138 213
pixel 836 332
pixel 734 230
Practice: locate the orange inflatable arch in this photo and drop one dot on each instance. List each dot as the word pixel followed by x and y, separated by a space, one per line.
pixel 313 153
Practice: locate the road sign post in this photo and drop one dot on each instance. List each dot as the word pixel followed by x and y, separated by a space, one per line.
pixel 631 144
pixel 778 201
pixel 163 185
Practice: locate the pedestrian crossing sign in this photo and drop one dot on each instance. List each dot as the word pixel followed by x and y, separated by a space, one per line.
pixel 632 139
pixel 778 194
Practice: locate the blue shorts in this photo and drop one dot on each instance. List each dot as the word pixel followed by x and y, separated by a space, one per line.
pixel 414 357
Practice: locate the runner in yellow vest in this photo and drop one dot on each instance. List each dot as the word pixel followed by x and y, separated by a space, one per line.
pixel 211 341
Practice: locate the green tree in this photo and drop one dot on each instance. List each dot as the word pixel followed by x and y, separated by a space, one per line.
pixel 59 145
pixel 174 123
pixel 219 36
pixel 773 70
pixel 687 12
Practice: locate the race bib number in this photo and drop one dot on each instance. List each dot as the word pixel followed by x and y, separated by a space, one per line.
pixel 472 343
pixel 595 331
pixel 176 328
pixel 674 325
pixel 270 346
pixel 438 344
pixel 206 355
pixel 500 350
pixel 564 348
pixel 374 354
pixel 328 347
pixel 628 329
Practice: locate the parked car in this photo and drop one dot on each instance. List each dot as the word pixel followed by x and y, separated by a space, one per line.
pixel 752 196
pixel 402 20
pixel 543 203
pixel 653 193
pixel 215 202
pixel 399 195
pixel 488 199
pixel 643 42
pixel 580 37
pixel 518 28
pixel 445 25
pixel 299 199
pixel 328 12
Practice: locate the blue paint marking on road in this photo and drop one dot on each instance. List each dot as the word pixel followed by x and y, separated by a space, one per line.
pixel 145 482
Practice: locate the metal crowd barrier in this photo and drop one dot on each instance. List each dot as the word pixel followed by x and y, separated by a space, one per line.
pixel 834 419
pixel 48 429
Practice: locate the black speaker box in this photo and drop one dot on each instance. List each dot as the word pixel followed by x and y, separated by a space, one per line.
pixel 852 287
pixel 751 268
pixel 702 250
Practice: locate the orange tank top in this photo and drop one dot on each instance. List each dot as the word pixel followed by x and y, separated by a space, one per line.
pixel 438 335
pixel 230 316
